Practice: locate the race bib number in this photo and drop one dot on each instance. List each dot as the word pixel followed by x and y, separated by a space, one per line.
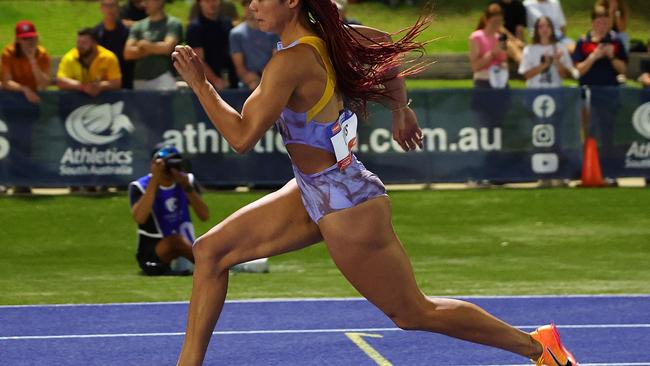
pixel 344 136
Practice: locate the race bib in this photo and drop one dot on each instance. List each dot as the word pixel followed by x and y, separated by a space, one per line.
pixel 344 136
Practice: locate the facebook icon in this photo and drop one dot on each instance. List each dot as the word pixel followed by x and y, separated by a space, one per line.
pixel 544 106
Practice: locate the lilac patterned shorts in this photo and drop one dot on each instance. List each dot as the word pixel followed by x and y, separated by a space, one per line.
pixel 332 190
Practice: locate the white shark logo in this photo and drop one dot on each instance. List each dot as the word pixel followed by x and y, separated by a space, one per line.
pixel 98 124
pixel 4 143
pixel 171 204
pixel 641 120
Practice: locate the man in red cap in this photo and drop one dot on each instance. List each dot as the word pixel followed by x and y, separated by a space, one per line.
pixel 25 64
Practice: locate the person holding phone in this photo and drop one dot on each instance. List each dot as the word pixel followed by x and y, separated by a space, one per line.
pixel 487 50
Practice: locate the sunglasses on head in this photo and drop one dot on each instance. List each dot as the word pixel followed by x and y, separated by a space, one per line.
pixel 167 151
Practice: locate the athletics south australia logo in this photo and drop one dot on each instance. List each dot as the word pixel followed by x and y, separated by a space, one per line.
pixel 98 124
pixel 638 155
pixel 4 143
pixel 641 120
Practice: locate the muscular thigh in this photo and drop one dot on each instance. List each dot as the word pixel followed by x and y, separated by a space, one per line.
pixel 274 224
pixel 362 243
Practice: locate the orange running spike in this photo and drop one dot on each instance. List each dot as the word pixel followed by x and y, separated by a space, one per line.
pixel 554 353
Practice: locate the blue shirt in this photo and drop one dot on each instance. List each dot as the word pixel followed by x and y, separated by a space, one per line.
pixel 602 72
pixel 213 37
pixel 256 46
pixel 114 41
pixel 170 213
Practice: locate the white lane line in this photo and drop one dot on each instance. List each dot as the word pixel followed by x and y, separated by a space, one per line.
pixel 290 331
pixel 597 326
pixel 226 332
pixel 616 364
pixel 341 299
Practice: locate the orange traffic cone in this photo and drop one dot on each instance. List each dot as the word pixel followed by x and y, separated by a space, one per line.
pixel 591 173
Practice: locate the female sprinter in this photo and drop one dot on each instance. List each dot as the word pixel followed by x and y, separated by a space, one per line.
pixel 333 197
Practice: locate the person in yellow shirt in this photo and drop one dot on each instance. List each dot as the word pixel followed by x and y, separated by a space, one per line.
pixel 89 68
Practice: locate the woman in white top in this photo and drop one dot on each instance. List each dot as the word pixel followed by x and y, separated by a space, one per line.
pixel 535 9
pixel 545 61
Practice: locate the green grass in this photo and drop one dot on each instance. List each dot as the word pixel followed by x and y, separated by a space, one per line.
pixel 452 26
pixel 486 242
pixel 58 20
pixel 81 249
pixel 414 84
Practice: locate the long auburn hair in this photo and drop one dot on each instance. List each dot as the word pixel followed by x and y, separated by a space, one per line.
pixel 536 36
pixel 362 70
pixel 19 50
pixel 491 11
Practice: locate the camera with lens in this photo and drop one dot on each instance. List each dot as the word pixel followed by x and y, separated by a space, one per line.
pixel 171 157
pixel 502 40
pixel 173 163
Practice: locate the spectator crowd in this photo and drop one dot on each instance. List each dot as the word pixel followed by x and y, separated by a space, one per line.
pixel 130 48
pixel 531 38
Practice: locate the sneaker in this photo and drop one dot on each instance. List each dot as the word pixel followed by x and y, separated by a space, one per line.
pixel 554 353
pixel 478 184
pixel 256 266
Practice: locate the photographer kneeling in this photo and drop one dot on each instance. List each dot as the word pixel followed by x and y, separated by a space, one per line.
pixel 160 206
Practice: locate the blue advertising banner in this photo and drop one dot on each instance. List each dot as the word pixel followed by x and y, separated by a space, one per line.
pixel 71 139
pixel 620 122
pixel 498 135
pixel 503 135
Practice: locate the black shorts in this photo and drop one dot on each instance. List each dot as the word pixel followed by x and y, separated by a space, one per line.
pixel 147 259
